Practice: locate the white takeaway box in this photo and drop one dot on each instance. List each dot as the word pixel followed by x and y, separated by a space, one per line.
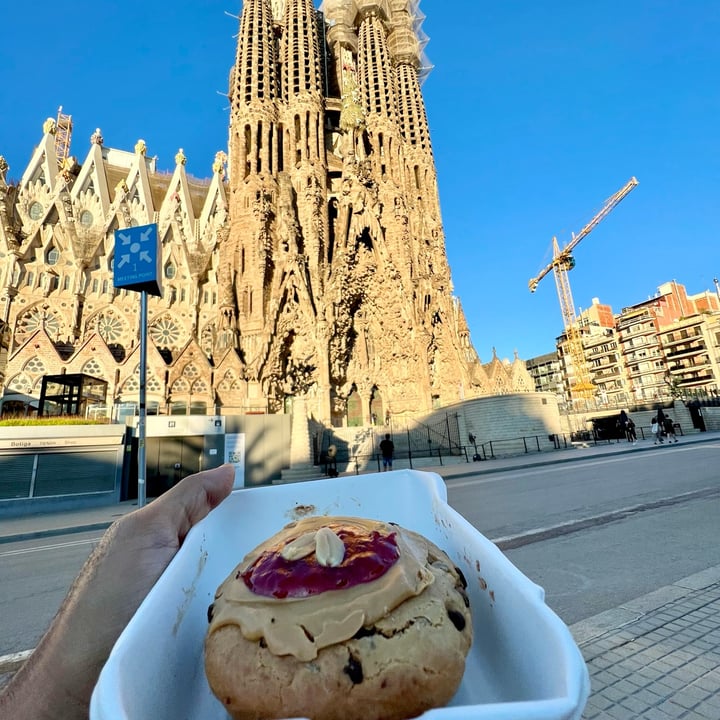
pixel 523 664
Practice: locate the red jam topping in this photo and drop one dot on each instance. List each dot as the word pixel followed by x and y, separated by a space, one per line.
pixel 367 557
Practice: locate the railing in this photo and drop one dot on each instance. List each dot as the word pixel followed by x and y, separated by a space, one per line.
pixel 597 437
pixel 359 462
pixel 347 461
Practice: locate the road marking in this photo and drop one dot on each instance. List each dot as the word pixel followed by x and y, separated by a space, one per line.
pixel 564 466
pixel 528 537
pixel 54 546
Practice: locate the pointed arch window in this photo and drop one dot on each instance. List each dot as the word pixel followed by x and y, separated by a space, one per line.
pixel 52 256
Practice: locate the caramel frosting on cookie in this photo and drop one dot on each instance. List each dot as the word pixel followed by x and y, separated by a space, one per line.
pixel 318 581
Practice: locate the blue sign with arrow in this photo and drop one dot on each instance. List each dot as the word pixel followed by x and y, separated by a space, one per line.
pixel 138 259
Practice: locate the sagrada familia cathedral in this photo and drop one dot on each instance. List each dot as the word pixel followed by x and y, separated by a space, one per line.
pixel 311 264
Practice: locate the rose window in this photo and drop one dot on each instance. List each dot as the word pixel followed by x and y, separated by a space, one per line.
pixel 39 318
pixel 109 328
pixel 165 332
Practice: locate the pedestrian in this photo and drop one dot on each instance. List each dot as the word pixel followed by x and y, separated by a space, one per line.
pixel 656 430
pixel 631 433
pixel 670 429
pixel 387 450
pixel 661 420
pixel 623 424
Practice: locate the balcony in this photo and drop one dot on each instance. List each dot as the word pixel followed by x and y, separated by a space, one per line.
pixel 679 369
pixel 670 340
pixel 696 380
pixel 687 351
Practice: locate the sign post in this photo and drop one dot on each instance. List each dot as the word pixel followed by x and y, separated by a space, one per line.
pixel 137 267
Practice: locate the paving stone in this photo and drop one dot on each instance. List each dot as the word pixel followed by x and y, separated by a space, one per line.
pixel 654 714
pixel 634 705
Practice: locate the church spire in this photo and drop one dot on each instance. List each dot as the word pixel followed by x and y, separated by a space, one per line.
pixel 377 81
pixel 301 51
pixel 254 75
pixel 253 93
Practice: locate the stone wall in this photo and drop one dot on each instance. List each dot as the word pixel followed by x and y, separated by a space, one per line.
pixel 505 419
pixel 711 416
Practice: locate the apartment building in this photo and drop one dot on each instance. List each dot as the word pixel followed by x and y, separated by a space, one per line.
pixel 607 369
pixel 665 346
pixel 547 374
pixel 692 354
pixel 639 346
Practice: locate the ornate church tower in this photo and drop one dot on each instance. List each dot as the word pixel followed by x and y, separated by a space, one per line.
pixel 333 281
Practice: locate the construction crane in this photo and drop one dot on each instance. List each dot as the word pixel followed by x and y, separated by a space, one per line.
pixel 63 135
pixel 562 262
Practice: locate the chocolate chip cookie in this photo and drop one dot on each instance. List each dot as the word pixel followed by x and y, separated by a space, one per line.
pixel 339 619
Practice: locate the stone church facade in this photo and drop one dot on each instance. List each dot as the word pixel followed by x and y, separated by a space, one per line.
pixel 310 265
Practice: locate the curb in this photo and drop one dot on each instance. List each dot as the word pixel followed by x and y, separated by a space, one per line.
pixel 72 529
pixel 554 461
pixel 609 621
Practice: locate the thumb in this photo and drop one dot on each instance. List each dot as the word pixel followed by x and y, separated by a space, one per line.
pixel 193 498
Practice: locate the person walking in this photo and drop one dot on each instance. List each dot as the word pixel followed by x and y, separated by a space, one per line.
pixel 387 450
pixel 631 433
pixel 669 426
pixel 661 421
pixel 656 430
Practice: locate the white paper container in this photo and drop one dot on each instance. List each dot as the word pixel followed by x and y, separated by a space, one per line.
pixel 523 664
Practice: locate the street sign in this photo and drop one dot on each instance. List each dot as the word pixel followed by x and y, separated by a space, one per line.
pixel 137 259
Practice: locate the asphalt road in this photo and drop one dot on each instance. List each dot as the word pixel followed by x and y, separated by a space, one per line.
pixel 593 533
pixel 600 532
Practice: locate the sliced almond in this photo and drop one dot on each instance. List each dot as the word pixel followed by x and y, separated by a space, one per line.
pixel 329 548
pixel 300 547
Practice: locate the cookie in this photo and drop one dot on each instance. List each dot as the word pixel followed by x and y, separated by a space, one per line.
pixel 339 618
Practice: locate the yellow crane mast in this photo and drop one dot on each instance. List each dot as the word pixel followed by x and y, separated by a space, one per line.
pixel 63 135
pixel 562 262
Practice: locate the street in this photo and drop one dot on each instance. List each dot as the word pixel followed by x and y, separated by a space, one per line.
pixel 594 533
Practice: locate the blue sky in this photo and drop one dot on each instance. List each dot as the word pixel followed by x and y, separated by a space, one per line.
pixel 539 111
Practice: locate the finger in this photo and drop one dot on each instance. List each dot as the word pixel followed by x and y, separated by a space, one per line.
pixel 194 497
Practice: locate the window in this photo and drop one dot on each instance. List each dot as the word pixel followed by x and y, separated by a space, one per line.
pixel 86 218
pixel 169 271
pixel 165 332
pixel 35 211
pixel 52 256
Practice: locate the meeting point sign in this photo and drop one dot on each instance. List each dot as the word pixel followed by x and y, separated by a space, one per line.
pixel 137 259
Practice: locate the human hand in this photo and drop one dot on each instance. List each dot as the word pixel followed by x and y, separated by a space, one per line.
pixel 59 678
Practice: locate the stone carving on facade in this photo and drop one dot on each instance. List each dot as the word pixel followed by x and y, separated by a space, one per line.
pixel 219 163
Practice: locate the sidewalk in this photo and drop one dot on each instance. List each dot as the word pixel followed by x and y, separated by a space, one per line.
pixel 658 656
pixel 654 658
